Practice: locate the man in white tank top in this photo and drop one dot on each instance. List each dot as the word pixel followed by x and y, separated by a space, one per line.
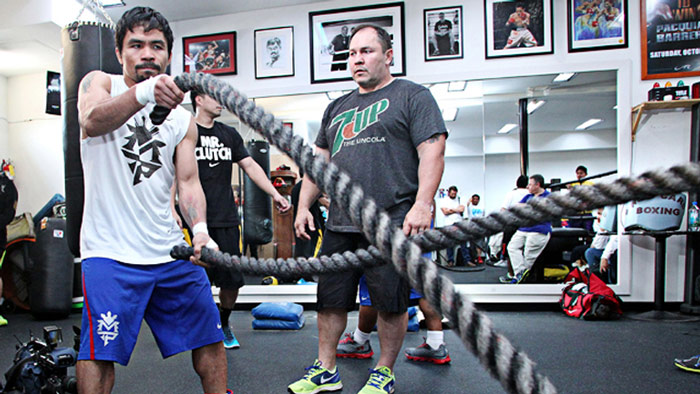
pixel 128 229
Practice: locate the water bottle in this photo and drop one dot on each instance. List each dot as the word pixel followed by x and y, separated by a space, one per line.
pixel 694 217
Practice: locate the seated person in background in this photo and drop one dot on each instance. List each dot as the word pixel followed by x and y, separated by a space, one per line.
pixel 477 246
pixel 528 242
pixel 512 197
pixel 453 211
pixel 581 172
pixel 603 262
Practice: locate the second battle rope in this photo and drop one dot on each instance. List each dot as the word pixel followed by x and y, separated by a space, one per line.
pixel 510 366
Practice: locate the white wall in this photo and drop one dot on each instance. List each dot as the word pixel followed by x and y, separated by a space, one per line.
pixel 36 142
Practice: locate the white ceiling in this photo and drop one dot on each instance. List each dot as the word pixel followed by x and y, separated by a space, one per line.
pixel 32 44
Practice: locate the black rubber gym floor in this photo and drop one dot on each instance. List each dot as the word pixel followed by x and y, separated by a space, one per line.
pixel 624 356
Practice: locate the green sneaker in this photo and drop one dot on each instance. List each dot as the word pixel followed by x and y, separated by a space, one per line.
pixel 3 321
pixel 381 381
pixel 316 380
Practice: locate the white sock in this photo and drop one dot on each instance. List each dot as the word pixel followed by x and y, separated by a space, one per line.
pixel 435 339
pixel 360 336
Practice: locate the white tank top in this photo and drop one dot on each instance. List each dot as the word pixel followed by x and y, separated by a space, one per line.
pixel 127 175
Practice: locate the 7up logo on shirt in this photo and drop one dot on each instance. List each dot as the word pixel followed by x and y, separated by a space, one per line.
pixel 352 122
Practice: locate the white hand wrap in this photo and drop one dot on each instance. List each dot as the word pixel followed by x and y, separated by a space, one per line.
pixel 145 91
pixel 201 227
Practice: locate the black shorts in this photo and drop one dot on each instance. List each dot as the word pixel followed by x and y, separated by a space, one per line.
pixel 387 289
pixel 228 239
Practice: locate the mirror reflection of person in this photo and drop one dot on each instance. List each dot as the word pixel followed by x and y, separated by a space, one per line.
pixel 519 21
pixel 442 39
pixel 339 49
pixel 274 49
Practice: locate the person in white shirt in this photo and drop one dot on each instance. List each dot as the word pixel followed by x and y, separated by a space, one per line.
pixel 477 246
pixel 453 211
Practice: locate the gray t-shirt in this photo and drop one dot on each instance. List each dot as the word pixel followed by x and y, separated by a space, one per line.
pixel 373 137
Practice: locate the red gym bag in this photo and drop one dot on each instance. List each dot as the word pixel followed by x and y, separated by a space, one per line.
pixel 587 297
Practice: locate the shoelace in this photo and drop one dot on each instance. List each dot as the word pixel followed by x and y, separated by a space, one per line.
pixel 376 378
pixel 310 371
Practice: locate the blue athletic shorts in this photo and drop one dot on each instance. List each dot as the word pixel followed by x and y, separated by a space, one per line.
pixel 366 301
pixel 175 299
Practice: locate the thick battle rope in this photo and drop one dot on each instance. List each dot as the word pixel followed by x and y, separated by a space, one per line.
pixel 510 366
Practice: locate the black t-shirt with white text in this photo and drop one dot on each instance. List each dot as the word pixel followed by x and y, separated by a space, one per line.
pixel 216 151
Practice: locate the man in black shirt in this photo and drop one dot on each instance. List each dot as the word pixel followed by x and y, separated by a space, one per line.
pixel 339 49
pixel 443 40
pixel 218 147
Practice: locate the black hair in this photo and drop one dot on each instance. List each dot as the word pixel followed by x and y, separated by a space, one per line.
pixel 582 168
pixel 452 188
pixel 148 18
pixel 477 196
pixel 193 95
pixel 382 35
pixel 521 182
pixel 538 178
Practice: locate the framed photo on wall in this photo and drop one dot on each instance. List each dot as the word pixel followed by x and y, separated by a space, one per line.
pixel 329 37
pixel 443 33
pixel 670 41
pixel 211 53
pixel 274 52
pixel 594 26
pixel 518 28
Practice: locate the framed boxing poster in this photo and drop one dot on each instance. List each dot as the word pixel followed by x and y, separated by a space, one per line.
pixel 329 38
pixel 274 52
pixel 597 25
pixel 670 38
pixel 443 33
pixel 211 53
pixel 518 28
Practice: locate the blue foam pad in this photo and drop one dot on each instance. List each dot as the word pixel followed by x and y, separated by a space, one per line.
pixel 412 310
pixel 271 324
pixel 287 311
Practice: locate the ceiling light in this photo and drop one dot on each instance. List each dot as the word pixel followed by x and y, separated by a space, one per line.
pixel 112 3
pixel 449 114
pixel 507 128
pixel 533 105
pixel 456 86
pixel 588 123
pixel 563 77
pixel 334 94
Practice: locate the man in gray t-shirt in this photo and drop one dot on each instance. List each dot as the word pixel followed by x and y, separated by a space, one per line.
pixel 389 136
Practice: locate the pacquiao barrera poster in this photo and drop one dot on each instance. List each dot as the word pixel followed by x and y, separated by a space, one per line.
pixel 671 39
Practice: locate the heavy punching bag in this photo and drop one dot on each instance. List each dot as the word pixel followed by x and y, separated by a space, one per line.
pixel 257 206
pixel 87 46
pixel 51 284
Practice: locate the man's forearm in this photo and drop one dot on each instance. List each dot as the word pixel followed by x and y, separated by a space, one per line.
pixel 192 202
pixel 258 176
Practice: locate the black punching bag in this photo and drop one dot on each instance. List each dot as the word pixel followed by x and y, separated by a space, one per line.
pixel 257 206
pixel 51 284
pixel 87 46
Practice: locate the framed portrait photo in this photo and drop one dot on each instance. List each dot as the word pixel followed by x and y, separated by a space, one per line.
pixel 329 37
pixel 274 52
pixel 518 28
pixel 443 33
pixel 211 53
pixel 593 26
pixel 670 40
